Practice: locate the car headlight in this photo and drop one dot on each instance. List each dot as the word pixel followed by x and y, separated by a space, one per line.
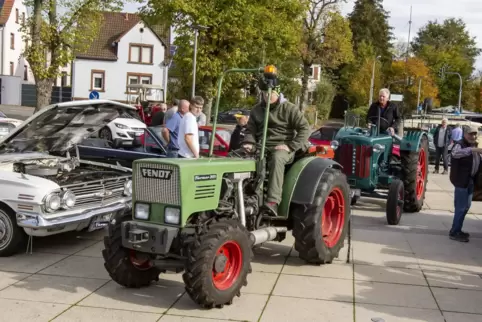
pixel 141 211
pixel 68 199
pixel 172 216
pixel 334 144
pixel 121 126
pixel 52 202
pixel 128 188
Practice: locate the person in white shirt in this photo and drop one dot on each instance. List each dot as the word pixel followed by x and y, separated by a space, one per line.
pixel 201 118
pixel 189 132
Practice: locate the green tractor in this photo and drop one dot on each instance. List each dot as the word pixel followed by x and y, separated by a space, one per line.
pixel 376 161
pixel 204 217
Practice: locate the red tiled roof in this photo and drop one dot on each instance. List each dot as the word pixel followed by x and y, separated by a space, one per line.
pixel 114 27
pixel 6 10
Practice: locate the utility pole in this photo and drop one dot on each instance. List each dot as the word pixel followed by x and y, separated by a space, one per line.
pixel 196 34
pixel 443 72
pixel 408 44
pixel 372 83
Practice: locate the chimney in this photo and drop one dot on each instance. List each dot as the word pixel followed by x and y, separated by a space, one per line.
pixel 126 16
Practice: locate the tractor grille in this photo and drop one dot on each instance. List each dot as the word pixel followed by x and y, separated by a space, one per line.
pixel 157 190
pixel 355 160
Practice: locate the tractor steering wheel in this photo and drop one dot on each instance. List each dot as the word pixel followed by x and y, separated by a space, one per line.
pixel 375 118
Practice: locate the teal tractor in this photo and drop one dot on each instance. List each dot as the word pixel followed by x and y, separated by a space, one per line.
pixel 374 161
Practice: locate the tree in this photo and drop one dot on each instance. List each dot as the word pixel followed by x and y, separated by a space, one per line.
pixel 323 97
pixel 415 69
pixel 54 31
pixel 239 34
pixel 369 24
pixel 448 43
pixel 326 40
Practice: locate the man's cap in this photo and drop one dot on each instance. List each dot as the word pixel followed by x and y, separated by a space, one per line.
pixel 241 113
pixel 471 129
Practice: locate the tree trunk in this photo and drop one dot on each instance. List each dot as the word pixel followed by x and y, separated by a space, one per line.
pixel 304 86
pixel 44 93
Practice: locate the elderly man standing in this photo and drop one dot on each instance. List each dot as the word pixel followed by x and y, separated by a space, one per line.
pixel 441 139
pixel 457 133
pixel 171 132
pixel 465 167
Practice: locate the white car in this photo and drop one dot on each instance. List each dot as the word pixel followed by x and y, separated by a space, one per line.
pixel 46 188
pixel 126 128
pixel 7 125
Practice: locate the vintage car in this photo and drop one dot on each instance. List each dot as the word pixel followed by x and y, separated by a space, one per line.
pixel 7 125
pixel 46 188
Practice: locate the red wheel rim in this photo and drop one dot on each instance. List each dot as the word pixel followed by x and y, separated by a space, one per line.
pixel 139 263
pixel 224 279
pixel 400 200
pixel 333 217
pixel 421 173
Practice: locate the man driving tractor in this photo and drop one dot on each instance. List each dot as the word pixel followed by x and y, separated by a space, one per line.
pixel 389 115
pixel 288 132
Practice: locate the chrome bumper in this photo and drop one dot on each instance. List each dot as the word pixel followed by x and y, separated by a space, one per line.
pixel 37 221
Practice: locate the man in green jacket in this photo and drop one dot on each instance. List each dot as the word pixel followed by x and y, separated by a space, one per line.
pixel 288 132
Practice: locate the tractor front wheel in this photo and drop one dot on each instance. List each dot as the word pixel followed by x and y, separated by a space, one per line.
pixel 321 227
pixel 414 176
pixel 218 263
pixel 395 202
pixel 125 266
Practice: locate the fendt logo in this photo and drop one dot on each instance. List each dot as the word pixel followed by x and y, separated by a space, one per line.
pixel 156 173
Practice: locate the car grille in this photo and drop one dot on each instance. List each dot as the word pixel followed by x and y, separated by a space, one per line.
pixel 137 129
pixel 157 190
pixel 355 160
pixel 98 193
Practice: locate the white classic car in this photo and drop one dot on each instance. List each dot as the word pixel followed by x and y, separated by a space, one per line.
pixel 46 188
pixel 7 125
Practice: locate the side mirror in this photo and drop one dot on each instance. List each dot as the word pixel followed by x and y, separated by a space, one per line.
pixel 117 143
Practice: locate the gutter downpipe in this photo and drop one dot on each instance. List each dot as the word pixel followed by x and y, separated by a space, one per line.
pixel 3 48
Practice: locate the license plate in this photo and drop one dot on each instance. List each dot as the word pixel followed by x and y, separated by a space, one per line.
pixel 99 222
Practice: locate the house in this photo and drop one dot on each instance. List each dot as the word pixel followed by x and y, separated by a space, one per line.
pixel 126 51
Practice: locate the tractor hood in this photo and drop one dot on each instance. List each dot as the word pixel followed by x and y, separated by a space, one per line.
pixel 348 135
pixel 57 128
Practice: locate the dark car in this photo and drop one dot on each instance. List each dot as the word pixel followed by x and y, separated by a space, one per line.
pixel 229 117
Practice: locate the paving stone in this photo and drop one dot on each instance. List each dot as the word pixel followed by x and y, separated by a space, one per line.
pixel 463 301
pixel 367 312
pixel 248 307
pixel 16 310
pixel 29 263
pixel 287 309
pixel 65 244
pixel 174 318
pixel 52 289
pixel 93 251
pixel 260 283
pixel 389 275
pixel 454 280
pixel 79 266
pixel 297 266
pixel 383 255
pixel 462 317
pixel 92 314
pixel 9 278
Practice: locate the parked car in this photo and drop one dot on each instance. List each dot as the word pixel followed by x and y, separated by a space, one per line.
pixel 126 128
pixel 46 187
pixel 229 117
pixel 7 125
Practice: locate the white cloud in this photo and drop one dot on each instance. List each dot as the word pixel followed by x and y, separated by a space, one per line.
pixel 425 10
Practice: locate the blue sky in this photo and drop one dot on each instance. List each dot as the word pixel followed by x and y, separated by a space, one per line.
pixel 423 11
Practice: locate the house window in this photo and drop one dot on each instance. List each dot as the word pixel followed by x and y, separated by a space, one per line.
pixel 97 80
pixel 12 70
pixel 133 79
pixel 25 73
pixel 12 41
pixel 312 72
pixel 16 15
pixel 140 54
pixel 23 17
pixel 63 80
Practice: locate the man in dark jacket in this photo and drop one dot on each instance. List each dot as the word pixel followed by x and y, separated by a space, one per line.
pixel 237 137
pixel 465 167
pixel 158 118
pixel 441 140
pixel 287 133
pixel 388 111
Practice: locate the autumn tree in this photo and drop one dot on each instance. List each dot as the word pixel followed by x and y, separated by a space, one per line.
pixel 447 43
pixel 54 31
pixel 326 40
pixel 239 34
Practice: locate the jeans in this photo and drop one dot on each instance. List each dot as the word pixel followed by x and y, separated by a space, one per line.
pixel 462 203
pixel 172 153
pixel 441 152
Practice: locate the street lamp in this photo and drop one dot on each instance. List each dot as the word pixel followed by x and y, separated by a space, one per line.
pixel 196 33
pixel 419 90
pixel 460 89
pixel 372 84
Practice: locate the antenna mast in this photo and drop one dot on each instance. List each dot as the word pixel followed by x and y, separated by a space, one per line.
pixel 408 44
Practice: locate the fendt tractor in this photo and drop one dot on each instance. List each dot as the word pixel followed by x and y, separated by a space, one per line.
pixel 378 161
pixel 204 216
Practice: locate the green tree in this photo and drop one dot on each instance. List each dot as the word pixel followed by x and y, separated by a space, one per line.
pixel 369 24
pixel 54 31
pixel 448 43
pixel 239 34
pixel 327 40
pixel 323 97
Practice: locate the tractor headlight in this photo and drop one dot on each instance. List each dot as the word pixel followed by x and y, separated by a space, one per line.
pixel 334 144
pixel 172 216
pixel 128 188
pixel 52 202
pixel 378 148
pixel 141 211
pixel 68 199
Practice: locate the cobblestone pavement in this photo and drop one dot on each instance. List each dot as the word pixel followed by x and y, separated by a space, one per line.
pixel 411 272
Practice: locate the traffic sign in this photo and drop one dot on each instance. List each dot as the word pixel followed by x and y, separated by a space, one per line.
pixel 94 95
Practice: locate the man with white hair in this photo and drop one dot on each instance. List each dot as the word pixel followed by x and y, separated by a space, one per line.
pixel 441 139
pixel 389 115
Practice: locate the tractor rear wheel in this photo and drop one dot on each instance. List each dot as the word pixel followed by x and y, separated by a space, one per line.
pixel 218 263
pixel 395 202
pixel 414 176
pixel 125 266
pixel 321 227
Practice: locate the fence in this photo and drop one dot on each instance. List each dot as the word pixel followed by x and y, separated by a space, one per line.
pixel 59 94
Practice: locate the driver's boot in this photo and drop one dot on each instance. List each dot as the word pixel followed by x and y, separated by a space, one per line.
pixel 272 208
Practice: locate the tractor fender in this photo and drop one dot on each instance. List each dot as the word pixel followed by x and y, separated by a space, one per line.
pixel 411 140
pixel 301 181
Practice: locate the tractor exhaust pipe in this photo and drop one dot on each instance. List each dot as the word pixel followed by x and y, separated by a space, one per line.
pixel 265 234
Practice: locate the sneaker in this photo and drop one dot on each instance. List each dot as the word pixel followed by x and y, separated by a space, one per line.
pixel 460 237
pixel 465 234
pixel 435 172
pixel 444 172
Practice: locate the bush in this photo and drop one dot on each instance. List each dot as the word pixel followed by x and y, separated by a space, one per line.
pixel 361 111
pixel 323 97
